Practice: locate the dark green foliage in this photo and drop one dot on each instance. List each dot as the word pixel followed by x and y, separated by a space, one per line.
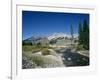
pixel 84 35
pixel 72 36
pixel 26 43
pixel 75 41
pixel 81 35
pixel 52 41
pixel 38 44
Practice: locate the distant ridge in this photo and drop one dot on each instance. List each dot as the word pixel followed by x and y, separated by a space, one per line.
pixel 52 36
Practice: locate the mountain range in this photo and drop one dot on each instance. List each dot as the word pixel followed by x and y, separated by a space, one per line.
pixel 50 37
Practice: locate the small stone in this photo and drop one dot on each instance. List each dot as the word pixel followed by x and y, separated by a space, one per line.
pixel 63 58
pixel 69 58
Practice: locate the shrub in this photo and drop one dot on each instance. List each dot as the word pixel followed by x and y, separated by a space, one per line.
pixel 26 43
pixel 45 51
pixel 79 47
pixel 39 44
pixel 26 48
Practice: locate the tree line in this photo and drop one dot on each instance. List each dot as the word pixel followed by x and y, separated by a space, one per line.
pixel 84 35
pixel 83 32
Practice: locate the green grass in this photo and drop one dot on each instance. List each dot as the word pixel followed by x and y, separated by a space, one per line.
pixel 37 60
pixel 31 49
pixel 34 49
pixel 28 48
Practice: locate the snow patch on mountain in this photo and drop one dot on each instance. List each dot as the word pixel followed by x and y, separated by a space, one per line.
pixel 57 35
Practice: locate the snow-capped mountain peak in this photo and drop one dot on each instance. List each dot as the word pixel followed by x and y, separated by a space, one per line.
pixel 57 35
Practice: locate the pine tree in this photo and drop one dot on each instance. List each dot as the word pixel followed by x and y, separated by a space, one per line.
pixel 72 32
pixel 80 34
pixel 85 35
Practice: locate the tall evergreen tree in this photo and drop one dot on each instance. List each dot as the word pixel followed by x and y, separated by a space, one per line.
pixel 72 33
pixel 80 34
pixel 85 35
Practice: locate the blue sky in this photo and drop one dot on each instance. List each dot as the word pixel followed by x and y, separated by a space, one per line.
pixel 45 23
